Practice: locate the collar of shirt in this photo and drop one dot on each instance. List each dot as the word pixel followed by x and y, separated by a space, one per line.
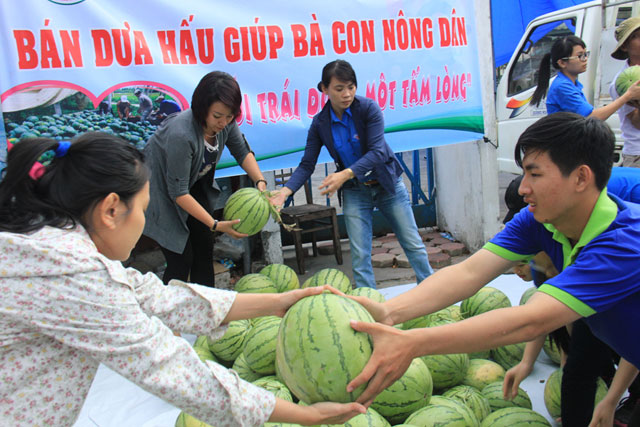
pixel 567 80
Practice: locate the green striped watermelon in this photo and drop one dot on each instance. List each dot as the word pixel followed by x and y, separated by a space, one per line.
pixel 318 352
pixel 451 313
pixel 527 294
pixel 447 370
pixel 483 372
pixel 493 393
pixel 471 397
pixel 243 370
pixel 443 411
pixel 409 393
pixel 202 341
pixel 260 345
pixel 186 420
pixel 204 354
pixel 275 386
pixel 486 299
pixel 418 322
pixel 370 293
pixel 552 350
pixel 482 354
pixel 553 397
pixel 251 207
pixel 509 355
pixel 513 417
pixel 371 418
pixel 329 276
pixel 256 284
pixel 230 346
pixel 282 276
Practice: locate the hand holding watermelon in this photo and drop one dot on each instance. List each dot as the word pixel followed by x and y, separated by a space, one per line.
pixel 287 299
pixel 378 310
pixel 228 227
pixel 321 413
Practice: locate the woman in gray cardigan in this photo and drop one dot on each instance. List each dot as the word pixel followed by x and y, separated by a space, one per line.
pixel 182 156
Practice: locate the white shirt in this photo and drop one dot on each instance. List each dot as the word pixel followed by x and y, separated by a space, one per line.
pixel 630 133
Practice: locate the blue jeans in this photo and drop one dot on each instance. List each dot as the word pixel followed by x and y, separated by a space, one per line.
pixel 358 204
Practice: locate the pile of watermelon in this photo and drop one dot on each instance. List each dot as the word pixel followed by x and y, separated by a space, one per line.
pixel 312 353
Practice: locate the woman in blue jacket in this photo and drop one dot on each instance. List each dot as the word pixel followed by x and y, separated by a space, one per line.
pixel 352 129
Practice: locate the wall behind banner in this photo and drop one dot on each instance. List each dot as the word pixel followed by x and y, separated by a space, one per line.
pixel 66 66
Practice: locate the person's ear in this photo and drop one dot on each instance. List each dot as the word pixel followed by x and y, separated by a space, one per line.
pixel 107 211
pixel 324 89
pixel 583 177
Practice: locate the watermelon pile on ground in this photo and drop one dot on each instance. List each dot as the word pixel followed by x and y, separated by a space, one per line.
pixel 284 277
pixel 329 276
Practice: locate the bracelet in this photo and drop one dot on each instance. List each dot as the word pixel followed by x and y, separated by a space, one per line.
pixel 259 181
pixel 352 175
pixel 215 224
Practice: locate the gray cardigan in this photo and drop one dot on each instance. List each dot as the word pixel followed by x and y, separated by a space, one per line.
pixel 175 154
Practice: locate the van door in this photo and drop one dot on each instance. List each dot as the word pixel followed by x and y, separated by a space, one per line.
pixel 514 112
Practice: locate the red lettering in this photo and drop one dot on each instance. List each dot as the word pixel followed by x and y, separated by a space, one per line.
pixel 27 55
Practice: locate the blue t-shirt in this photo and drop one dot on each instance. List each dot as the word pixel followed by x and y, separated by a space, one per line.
pixel 598 276
pixel 566 96
pixel 169 107
pixel 345 138
pixel 625 183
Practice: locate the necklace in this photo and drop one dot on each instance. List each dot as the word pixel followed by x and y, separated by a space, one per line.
pixel 211 148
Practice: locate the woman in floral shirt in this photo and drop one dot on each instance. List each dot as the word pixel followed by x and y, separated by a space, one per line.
pixel 69 212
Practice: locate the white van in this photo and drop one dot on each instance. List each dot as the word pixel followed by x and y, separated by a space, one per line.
pixel 594 22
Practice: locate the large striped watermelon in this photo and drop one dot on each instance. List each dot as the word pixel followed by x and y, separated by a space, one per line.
pixel 451 313
pixel 329 276
pixel 552 350
pixel 275 386
pixel 409 393
pixel 483 372
pixel 186 420
pixel 260 345
pixel 282 276
pixel 509 355
pixel 471 397
pixel 204 354
pixel 447 370
pixel 371 418
pixel 443 411
pixel 527 294
pixel 230 346
pixel 486 299
pixel 370 293
pixel 553 397
pixel 511 417
pixel 256 284
pixel 493 393
pixel 251 207
pixel 417 322
pixel 318 352
pixel 243 370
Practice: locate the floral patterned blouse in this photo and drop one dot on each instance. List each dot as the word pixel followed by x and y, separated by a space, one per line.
pixel 65 308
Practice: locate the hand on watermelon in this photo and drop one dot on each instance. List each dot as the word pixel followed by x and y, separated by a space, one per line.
pixel 514 377
pixel 378 310
pixel 227 227
pixel 391 357
pixel 287 299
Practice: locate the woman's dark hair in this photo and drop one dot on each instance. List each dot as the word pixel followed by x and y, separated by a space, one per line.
pixel 341 70
pixel 571 140
pixel 562 48
pixel 95 165
pixel 217 86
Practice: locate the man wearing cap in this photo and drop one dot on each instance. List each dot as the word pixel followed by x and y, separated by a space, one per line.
pixel 628 48
pixel 123 107
pixel 145 106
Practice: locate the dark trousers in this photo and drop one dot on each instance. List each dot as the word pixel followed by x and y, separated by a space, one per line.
pixel 587 360
pixel 195 263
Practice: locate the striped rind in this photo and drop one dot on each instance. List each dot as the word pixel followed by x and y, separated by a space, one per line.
pixel 330 276
pixel 230 345
pixel 527 294
pixel 251 207
pixel 260 346
pixel 284 277
pixel 318 352
pixel 255 283
pixel 275 386
pixel 409 393
pixel 447 370
pixel 553 397
pixel 443 411
pixel 243 370
pixel 486 299
pixel 371 418
pixel 509 417
pixel 493 393
pixel 472 398
pixel 509 355
pixel 370 293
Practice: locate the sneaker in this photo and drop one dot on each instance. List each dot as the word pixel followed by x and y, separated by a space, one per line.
pixel 624 411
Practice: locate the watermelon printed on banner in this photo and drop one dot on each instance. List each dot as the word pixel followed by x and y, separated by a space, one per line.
pixel 493 393
pixel 283 276
pixel 511 417
pixel 443 411
pixel 486 299
pixel 509 355
pixel 553 398
pixel 447 370
pixel 251 207
pixel 372 294
pixel 260 346
pixel 371 418
pixel 230 345
pixel 472 398
pixel 409 393
pixel 186 420
pixel 275 386
pixel 329 276
pixel 483 372
pixel 256 284
pixel 318 352
pixel 243 370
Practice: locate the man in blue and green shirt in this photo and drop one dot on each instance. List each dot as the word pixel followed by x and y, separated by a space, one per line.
pixel 592 238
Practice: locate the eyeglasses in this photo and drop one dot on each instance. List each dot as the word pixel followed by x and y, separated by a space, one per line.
pixel 582 57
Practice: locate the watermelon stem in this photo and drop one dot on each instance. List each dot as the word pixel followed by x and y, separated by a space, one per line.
pixel 275 214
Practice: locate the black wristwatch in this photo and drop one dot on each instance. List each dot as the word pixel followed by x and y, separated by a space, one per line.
pixel 215 225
